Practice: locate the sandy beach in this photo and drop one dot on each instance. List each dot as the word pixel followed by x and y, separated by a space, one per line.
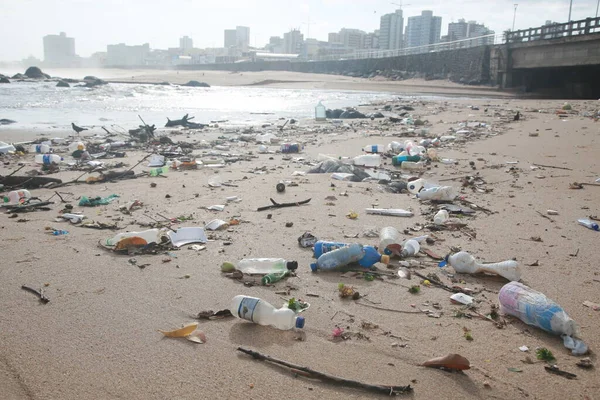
pixel 98 336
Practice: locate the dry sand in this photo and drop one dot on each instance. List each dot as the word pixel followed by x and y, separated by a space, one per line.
pixel 98 339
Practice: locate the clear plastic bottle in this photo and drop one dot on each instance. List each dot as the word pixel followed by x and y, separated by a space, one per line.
pixel 370 258
pixel 394 147
pixel 368 160
pixel 534 308
pixel 375 148
pixel 388 235
pixel 412 166
pixel 410 248
pixel 260 312
pixel 150 236
pixel 399 159
pixel 39 148
pixel 79 146
pixel 339 258
pixel 440 193
pixel 588 223
pixel 320 112
pixel 465 263
pixel 17 196
pixel 290 148
pixel 417 185
pixel 441 217
pixel 265 265
pixel 391 212
pixel 48 159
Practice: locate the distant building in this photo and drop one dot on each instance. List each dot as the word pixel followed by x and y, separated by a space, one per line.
pixel 293 42
pixel 275 45
pixel 186 43
pixel 59 50
pixel 391 30
pixel 230 39
pixel 423 30
pixel 123 55
pixel 463 30
pixel 352 38
pixel 371 40
pixel 333 37
pixel 242 38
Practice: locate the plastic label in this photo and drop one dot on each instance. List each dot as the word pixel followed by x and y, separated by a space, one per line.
pixel 38 148
pixel 246 309
pixel 374 149
pixel 46 159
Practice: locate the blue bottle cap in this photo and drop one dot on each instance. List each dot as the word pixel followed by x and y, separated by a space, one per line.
pixel 299 322
pixel 314 267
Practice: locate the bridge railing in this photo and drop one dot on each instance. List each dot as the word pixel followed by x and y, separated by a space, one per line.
pixel 554 31
pixel 430 48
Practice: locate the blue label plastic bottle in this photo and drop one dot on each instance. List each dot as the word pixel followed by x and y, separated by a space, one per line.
pixel 370 258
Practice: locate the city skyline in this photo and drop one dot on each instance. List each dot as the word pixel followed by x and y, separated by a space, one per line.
pixel 166 31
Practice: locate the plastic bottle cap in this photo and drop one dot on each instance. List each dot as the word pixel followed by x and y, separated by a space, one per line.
pixel 314 267
pixel 300 322
pixel 292 265
pixel 385 259
pixel 280 187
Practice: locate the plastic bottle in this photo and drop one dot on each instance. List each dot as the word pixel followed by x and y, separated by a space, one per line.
pixel 265 265
pixel 274 277
pixel 388 235
pixel 290 148
pixel 79 146
pixel 588 223
pixel 339 258
pixel 150 236
pixel 465 263
pixel 441 217
pixel 398 160
pixel 39 148
pixel 48 159
pixel 440 193
pixel 410 248
pixel 370 258
pixel 368 160
pixel 534 308
pixel 417 185
pixel 320 112
pixel 260 312
pixel 375 148
pixel 394 147
pixel 159 171
pixel 412 166
pixel 17 196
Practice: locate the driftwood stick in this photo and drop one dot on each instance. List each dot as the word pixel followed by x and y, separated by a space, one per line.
pixel 552 166
pixel 15 171
pixel 38 293
pixel 73 181
pixel 282 205
pixel 310 373
pixel 389 309
pixel 125 172
pixel 436 283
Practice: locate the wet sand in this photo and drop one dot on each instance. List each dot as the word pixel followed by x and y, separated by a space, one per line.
pixel 98 338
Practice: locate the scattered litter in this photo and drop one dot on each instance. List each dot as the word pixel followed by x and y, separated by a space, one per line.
pixel 184 236
pixel 553 369
pixel 96 201
pixel 454 362
pixel 307 240
pixel 524 349
pixel 216 225
pixel 593 306
pixel 393 212
pixel 462 298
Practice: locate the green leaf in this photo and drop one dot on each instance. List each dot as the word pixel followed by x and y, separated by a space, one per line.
pixel 515 370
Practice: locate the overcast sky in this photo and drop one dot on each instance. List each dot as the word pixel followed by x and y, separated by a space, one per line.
pixel 96 23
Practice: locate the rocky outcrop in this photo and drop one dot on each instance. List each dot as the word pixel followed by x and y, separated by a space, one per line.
pixel 92 81
pixel 196 84
pixel 4 79
pixel 36 73
pixel 352 114
pixel 62 83
pixel 19 76
pixel 333 114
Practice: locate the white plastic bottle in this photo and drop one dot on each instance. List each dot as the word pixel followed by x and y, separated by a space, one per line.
pixel 388 235
pixel 440 193
pixel 338 258
pixel 413 166
pixel 39 148
pixel 441 217
pixel 265 265
pixel 368 160
pixel 534 308
pixel 411 247
pixel 260 312
pixel 48 159
pixel 394 147
pixel 375 148
pixel 320 112
pixel 415 186
pixel 150 236
pixel 465 263
pixel 17 196
pixel 588 223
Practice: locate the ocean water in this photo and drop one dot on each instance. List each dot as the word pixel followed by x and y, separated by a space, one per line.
pixel 41 106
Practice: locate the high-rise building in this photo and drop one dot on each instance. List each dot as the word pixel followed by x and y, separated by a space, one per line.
pixel 293 42
pixel 123 55
pixel 230 39
pixel 59 50
pixel 352 38
pixel 275 44
pixel 242 37
pixel 463 30
pixel 423 29
pixel 186 43
pixel 391 29
pixel 333 37
pixel 371 40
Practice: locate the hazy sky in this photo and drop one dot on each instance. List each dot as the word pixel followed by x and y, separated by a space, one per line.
pixel 96 23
